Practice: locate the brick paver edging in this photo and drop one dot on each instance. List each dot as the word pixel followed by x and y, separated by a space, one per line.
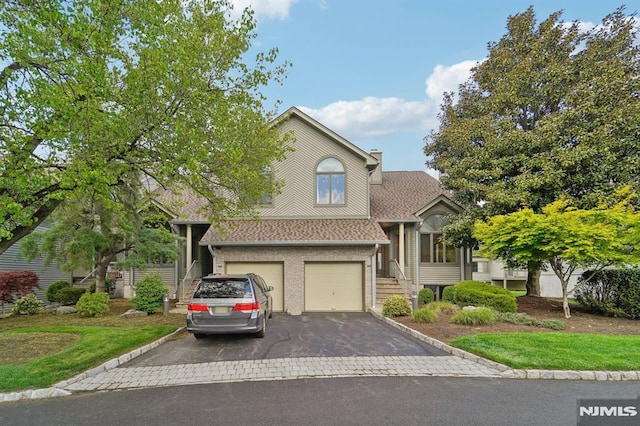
pixel 507 372
pixel 59 388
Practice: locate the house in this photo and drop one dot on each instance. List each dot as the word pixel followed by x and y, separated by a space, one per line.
pixel 12 260
pixel 339 231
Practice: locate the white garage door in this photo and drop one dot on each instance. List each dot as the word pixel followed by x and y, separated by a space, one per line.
pixel 333 286
pixel 271 272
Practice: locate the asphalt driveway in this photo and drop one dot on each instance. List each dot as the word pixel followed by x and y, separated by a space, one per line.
pixel 316 334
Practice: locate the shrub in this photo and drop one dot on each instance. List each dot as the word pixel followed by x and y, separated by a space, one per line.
pixel 553 324
pixel 524 319
pixel 13 283
pixel 447 294
pixel 70 295
pixel 93 305
pixel 613 292
pixel 425 296
pixel 396 306
pixel 27 305
pixel 444 307
pixel 479 316
pixel 424 315
pixel 109 287
pixel 477 293
pixel 150 292
pixel 52 292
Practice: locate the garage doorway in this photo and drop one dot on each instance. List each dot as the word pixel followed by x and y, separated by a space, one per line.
pixel 271 272
pixel 334 286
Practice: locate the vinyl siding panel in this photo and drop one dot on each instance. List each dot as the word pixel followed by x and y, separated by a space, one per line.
pixel 298 197
pixel 12 260
pixel 448 275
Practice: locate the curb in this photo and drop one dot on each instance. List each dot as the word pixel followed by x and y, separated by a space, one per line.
pixel 58 388
pixel 507 372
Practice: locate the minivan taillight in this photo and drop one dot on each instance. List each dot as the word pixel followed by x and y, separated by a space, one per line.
pixel 197 307
pixel 247 307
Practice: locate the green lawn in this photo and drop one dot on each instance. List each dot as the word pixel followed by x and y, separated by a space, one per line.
pixel 90 346
pixel 556 351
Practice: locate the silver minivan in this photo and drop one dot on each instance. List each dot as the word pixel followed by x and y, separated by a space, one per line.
pixel 229 304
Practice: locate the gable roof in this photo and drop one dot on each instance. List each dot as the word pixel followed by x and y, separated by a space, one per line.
pixel 371 161
pixel 184 203
pixel 307 232
pixel 402 196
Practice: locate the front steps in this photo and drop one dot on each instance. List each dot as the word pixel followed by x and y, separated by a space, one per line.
pixel 386 287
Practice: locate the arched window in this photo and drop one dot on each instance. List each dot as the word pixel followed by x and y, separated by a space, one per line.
pixel 330 182
pixel 432 246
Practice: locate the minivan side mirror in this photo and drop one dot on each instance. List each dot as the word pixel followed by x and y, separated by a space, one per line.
pixel 270 288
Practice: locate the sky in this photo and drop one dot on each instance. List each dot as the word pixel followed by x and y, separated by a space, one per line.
pixel 374 71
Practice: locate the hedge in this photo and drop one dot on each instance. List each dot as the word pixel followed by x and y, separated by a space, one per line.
pixel 476 293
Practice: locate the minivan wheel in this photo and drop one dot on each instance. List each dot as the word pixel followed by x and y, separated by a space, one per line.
pixel 264 327
pixel 198 335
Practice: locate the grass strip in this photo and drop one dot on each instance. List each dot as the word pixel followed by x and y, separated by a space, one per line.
pixel 97 345
pixel 556 351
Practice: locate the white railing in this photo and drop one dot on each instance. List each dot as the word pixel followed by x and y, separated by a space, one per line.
pixel 91 274
pixel 398 273
pixel 188 279
pixel 515 273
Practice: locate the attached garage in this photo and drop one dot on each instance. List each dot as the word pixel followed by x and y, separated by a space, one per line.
pixel 271 272
pixel 334 286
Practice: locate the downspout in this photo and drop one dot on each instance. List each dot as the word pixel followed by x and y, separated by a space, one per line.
pixel 401 254
pixel 213 257
pixel 462 262
pixel 416 256
pixel 374 263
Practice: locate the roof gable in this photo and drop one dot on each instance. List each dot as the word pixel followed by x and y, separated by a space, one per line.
pixel 370 161
pixel 403 196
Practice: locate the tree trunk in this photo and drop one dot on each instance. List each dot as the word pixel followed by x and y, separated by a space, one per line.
pixel 533 279
pixel 565 300
pixel 101 275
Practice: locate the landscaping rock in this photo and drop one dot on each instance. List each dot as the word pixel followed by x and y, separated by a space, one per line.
pixel 132 313
pixel 470 308
pixel 64 310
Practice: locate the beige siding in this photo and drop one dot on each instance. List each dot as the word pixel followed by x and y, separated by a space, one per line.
pixel 298 197
pixel 440 275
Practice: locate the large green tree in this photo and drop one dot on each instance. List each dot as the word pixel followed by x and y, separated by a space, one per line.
pixel 94 90
pixel 552 112
pixel 90 231
pixel 564 238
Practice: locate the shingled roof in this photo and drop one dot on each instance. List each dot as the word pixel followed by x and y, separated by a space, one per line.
pixel 187 206
pixel 403 194
pixel 296 232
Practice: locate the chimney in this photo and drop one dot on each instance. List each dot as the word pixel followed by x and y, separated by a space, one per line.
pixel 376 175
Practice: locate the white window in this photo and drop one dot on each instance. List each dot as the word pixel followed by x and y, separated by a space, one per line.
pixel 433 248
pixel 330 182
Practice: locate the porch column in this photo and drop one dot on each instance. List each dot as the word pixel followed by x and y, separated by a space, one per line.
pixel 401 261
pixel 189 247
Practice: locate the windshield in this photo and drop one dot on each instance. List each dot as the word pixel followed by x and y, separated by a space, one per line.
pixel 223 288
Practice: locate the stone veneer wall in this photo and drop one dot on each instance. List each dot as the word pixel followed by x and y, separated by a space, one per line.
pixel 294 259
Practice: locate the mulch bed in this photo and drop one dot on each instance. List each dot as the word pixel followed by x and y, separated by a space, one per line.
pixel 538 307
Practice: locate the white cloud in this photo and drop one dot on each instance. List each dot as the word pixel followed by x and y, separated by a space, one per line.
pixel 448 78
pixel 270 9
pixel 372 117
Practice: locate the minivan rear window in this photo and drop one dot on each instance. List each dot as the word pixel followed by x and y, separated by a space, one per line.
pixel 223 289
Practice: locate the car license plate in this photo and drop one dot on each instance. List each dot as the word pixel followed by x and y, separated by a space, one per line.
pixel 220 310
